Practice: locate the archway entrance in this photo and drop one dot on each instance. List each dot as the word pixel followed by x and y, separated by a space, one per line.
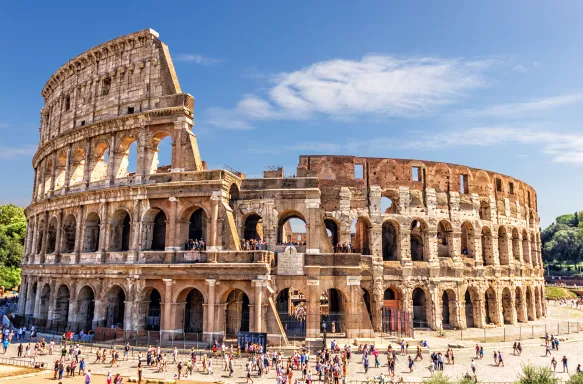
pixel 469 310
pixel 490 307
pixel 519 301
pixel 237 313
pixel 61 312
pixel 86 308
pixel 120 231
pixel 68 234
pixel 115 307
pixel 332 311
pixel 197 225
pixel 159 232
pixel 332 232
pixel 91 233
pixel 291 229
pixel 448 309
pixel 419 309
pixel 153 316
pixel 529 304
pixel 507 308
pixel 253 227
pixel 45 299
pixel 193 312
pixel 390 241
pixel 418 240
pixel 292 311
pixel 359 235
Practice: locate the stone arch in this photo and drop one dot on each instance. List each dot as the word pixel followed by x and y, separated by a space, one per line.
pixel 77 172
pixel 449 315
pixel 332 231
pixel 115 298
pixel 471 307
pixel 520 305
pixel 439 176
pixel 530 310
pixel 68 234
pixel 61 311
pixel 100 161
pixel 390 240
pixel 421 307
pixel 236 312
pixel 85 308
pixel 45 300
pixel 285 232
pixel 491 307
pixel 154 229
pixel 516 245
pixel 60 169
pixel 291 305
pixel 444 239
pixel 481 184
pixel 387 206
pixel 503 246
pixel 419 241
pixel 487 247
pixel 507 306
pixel 40 235
pixel 52 235
pixel 120 229
pixel 233 195
pixel 525 247
pixel 468 243
pixel 194 223
pixel 253 227
pixel 91 232
pixel 333 304
pixel 153 153
pixel 193 315
pixel 153 299
pixel 360 235
pixel 392 298
pixel 122 166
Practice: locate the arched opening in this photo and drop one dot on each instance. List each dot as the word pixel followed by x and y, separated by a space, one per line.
pixel 387 206
pixel 469 310
pixel 68 234
pixel 61 311
pixel 503 246
pixel 253 227
pixel 91 233
pixel 367 303
pixel 159 232
pixel 529 304
pixel 520 305
pixel 390 241
pixel 237 316
pixel 360 236
pixel 467 240
pixel 525 248
pixel 332 311
pixel 40 236
pixel 60 170
pixel 487 247
pixel 86 308
pixel 153 316
pixel 291 229
pixel 100 160
pixel 193 312
pixel 418 241
pixel 77 171
pixel 48 176
pixel 127 158
pixel 293 311
pixel 120 229
pixel 197 225
pixel 233 195
pixel 159 158
pixel 507 307
pixel 115 307
pixel 516 245
pixel 490 305
pixel 392 316
pixel 52 235
pixel 445 320
pixel 332 233
pixel 444 239
pixel 45 299
pixel 449 313
pixel 419 309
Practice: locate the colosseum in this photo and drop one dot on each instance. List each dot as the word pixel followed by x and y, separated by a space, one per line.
pixel 183 249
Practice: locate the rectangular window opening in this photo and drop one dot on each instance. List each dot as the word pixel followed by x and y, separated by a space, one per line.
pixel 67 103
pixel 498 185
pixel 105 87
pixel 511 188
pixel 130 110
pixel 416 173
pixel 358 171
pixel 464 186
pixel 82 122
pixel 529 199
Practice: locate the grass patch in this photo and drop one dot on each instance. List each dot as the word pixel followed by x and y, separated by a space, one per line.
pixel 555 293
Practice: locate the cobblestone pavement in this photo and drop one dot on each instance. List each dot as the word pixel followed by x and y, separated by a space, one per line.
pixel 533 352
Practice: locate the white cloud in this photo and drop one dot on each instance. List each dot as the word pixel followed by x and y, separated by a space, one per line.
pixel 375 84
pixel 527 109
pixel 198 59
pixel 11 152
pixel 519 68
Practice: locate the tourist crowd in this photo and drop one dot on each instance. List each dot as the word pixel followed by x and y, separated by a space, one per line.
pixel 196 245
pixel 253 245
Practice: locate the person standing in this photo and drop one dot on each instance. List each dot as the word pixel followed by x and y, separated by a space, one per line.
pixel 474 366
pixel 565 367
pixel 410 364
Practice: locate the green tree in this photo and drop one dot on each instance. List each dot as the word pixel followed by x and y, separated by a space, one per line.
pixel 9 277
pixel 10 214
pixel 565 246
pixel 534 374
pixel 575 378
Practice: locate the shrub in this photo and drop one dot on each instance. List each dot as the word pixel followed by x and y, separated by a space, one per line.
pixel 533 374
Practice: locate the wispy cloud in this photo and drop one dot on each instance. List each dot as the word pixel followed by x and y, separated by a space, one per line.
pixel 198 59
pixel 563 147
pixel 373 85
pixel 13 152
pixel 514 110
pixel 519 68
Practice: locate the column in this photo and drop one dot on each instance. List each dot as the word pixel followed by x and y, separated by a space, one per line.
pixel 43 179
pixel 258 304
pixel 59 234
pixel 213 242
pixel 45 238
pixel 313 221
pixel 112 160
pixel 68 167
pixel 171 227
pixel 313 315
pixel 22 295
pixel 36 310
pixel 34 246
pixel 88 165
pixel 210 310
pixel 479 260
pixel 405 246
pixel 103 232
pixel 166 321
pixel 34 184
pixel 53 173
pixel 29 305
pixel 79 231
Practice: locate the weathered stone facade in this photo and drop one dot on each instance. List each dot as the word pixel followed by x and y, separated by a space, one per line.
pixel 455 245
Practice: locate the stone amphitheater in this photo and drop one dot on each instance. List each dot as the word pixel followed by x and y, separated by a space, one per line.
pixel 388 243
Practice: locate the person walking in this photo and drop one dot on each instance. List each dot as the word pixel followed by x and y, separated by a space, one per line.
pixel 565 367
pixel 500 361
pixel 554 364
pixel 88 377
pixel 474 366
pixel 547 349
pixel 410 364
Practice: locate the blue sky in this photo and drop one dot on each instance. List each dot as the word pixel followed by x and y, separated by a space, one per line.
pixel 489 84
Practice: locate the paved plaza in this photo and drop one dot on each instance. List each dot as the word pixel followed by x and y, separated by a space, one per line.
pixel 487 371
